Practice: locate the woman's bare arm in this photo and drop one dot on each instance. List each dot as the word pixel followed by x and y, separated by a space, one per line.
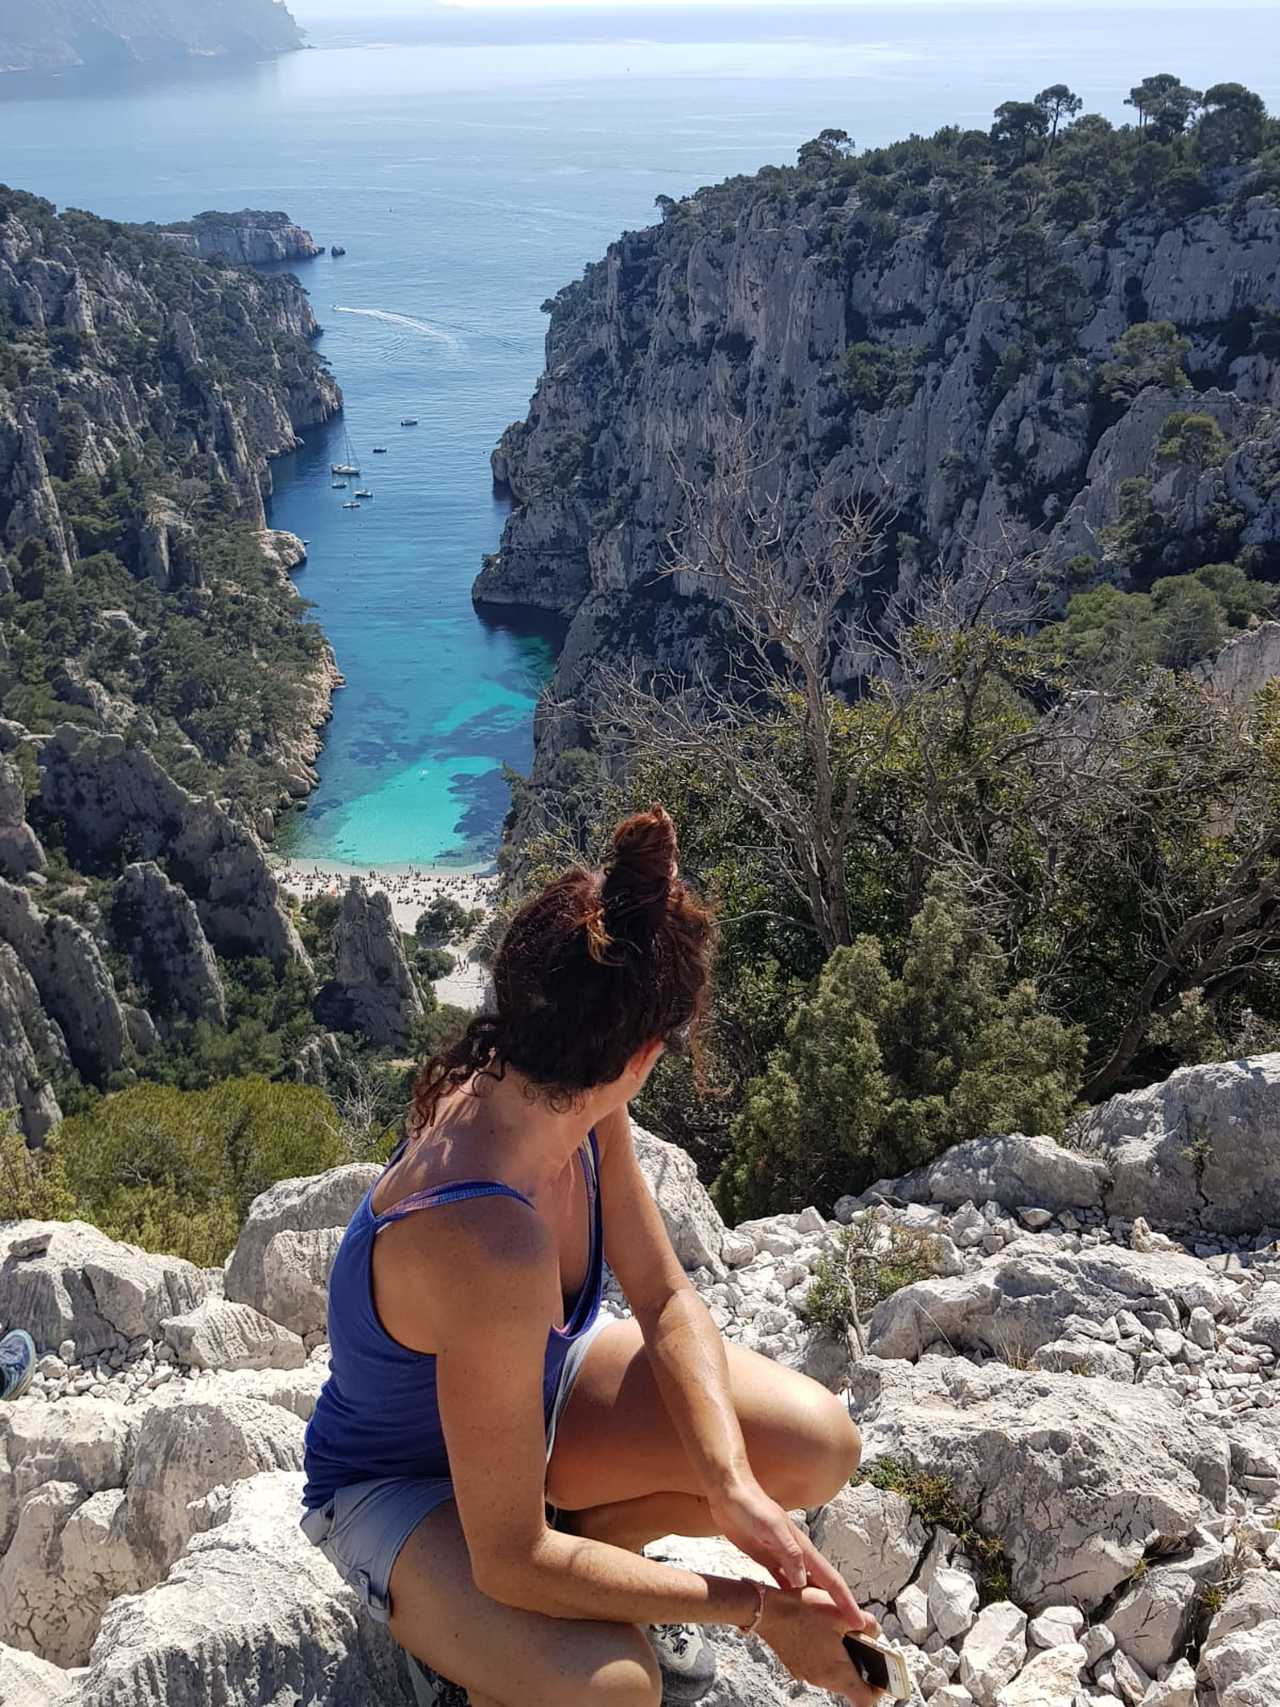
pixel 496 1263
pixel 688 1359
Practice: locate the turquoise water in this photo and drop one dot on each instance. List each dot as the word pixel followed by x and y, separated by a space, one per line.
pixel 473 164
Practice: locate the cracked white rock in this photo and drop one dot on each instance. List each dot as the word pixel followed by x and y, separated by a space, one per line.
pixel 953 1601
pixel 1050 1680
pixel 87 1289
pixel 1076 1478
pixel 1056 1626
pixel 873 1539
pixel 994 1651
pixel 218 1334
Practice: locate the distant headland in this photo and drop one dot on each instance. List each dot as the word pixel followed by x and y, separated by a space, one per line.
pixel 72 35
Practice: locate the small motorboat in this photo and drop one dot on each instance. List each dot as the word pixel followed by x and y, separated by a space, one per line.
pixel 409 421
pixel 351 505
pixel 364 494
pixel 379 450
pixel 339 485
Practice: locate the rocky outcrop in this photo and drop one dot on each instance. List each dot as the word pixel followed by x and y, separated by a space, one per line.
pixel 20 850
pixel 1026 1299
pixel 284 1253
pixel 692 1221
pixel 287 1626
pixel 69 1285
pixel 709 353
pixel 249 238
pixel 1197 1149
pixel 109 794
pixel 372 992
pixel 76 990
pixel 62 35
pixel 160 927
pixel 1029 1538
pixel 31 1050
pixel 1121 1473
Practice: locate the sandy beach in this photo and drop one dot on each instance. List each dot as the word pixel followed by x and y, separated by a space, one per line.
pixel 410 889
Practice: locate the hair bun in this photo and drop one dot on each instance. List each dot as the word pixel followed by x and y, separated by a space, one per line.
pixel 639 873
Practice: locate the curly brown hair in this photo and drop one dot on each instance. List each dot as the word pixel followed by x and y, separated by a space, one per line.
pixel 590 970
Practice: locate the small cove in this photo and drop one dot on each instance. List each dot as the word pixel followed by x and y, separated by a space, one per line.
pixel 469 177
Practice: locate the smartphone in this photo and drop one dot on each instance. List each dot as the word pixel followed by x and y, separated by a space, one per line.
pixel 879 1666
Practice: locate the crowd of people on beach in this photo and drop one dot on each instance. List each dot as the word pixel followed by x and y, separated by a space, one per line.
pixel 410 891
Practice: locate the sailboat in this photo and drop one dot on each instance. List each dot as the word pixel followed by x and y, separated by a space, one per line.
pixel 350 466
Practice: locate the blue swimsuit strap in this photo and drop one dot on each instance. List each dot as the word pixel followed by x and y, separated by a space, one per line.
pixel 458 1193
pixel 463 1190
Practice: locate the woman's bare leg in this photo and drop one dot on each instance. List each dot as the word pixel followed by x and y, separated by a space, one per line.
pixel 504 1657
pixel 619 1465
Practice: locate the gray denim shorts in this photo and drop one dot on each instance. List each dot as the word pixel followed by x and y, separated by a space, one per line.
pixel 363 1528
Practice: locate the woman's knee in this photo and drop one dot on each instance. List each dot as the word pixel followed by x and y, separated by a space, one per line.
pixel 823 1446
pixel 607 1666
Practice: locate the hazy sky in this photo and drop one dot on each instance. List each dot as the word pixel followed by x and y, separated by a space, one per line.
pixel 355 9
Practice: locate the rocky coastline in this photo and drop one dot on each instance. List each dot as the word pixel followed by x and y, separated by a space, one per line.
pixel 782 325
pixel 72 35
pixel 1070 1492
pixel 145 394
pixel 246 239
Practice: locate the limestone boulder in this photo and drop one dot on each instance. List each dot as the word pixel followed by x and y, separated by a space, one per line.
pixel 28 1681
pixel 294 1390
pixel 250 1615
pixel 31 1049
pixel 68 1560
pixel 1197 1149
pixel 64 1280
pixel 1077 1479
pixel 83 1442
pixel 295 1270
pixel 219 1334
pixel 372 993
pixel 994 1651
pixel 1029 1297
pixel 1051 1680
pixel 1262 1320
pixel 692 1221
pixel 874 1540
pixel 1013 1171
pixel 187 1448
pixel 287 1283
pixel 1240 1659
pixel 157 924
pixel 1153 1617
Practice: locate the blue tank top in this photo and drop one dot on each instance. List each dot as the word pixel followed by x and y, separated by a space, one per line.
pixel 377 1414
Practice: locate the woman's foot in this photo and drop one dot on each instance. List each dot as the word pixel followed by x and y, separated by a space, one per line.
pixel 17 1364
pixel 685 1660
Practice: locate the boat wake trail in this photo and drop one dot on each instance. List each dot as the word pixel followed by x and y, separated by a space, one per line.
pixel 407 321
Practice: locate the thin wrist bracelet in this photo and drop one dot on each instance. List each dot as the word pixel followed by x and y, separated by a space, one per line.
pixel 750 1629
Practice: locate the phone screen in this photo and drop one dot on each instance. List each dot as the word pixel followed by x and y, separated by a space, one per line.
pixel 870 1666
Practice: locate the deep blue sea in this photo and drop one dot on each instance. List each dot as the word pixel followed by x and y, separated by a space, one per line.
pixel 472 162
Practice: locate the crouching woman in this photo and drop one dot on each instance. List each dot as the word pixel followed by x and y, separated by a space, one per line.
pixel 491 1454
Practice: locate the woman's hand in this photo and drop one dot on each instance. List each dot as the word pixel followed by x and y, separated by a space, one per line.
pixel 764 1532
pixel 806 1630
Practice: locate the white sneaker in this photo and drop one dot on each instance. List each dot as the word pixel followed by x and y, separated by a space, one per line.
pixel 432 1690
pixel 685 1659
